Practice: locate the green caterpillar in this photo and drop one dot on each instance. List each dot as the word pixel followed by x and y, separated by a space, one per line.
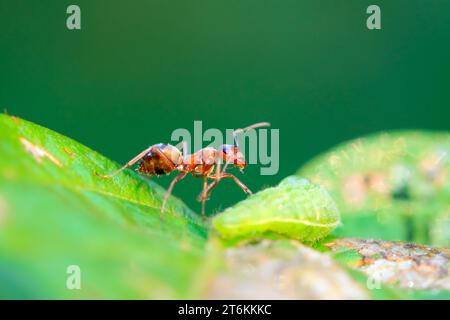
pixel 296 209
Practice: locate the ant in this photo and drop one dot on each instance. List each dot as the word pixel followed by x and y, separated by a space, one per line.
pixel 161 159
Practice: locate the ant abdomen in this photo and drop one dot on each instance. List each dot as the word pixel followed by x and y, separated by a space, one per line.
pixel 155 164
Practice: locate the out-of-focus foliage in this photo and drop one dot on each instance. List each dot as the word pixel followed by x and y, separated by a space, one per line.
pixel 396 270
pixel 282 269
pixel 55 212
pixel 296 208
pixel 392 186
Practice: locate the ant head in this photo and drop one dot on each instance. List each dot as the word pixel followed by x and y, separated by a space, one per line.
pixel 231 154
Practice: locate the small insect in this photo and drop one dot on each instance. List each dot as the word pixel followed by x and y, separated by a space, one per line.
pixel 162 159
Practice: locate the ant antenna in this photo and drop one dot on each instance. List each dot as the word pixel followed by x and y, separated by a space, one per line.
pixel 235 132
pixel 253 126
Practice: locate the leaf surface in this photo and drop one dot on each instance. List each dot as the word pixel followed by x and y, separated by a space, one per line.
pixel 56 212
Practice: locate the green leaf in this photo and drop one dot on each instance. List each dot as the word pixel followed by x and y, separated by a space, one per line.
pixel 56 212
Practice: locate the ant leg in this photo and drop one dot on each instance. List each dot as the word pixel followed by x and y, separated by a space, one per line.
pixel 216 178
pixel 169 191
pixel 238 182
pixel 223 176
pixel 213 184
pixel 225 167
pixel 205 184
pixel 208 190
pixel 129 163
pixel 218 173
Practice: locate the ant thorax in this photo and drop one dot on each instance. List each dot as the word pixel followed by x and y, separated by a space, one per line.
pixel 202 162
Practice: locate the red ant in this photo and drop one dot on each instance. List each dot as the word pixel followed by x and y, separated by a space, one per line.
pixel 162 159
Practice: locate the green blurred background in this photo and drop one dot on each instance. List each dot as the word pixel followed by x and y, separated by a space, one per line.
pixel 139 69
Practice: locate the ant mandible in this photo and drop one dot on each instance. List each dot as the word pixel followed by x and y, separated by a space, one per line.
pixel 162 159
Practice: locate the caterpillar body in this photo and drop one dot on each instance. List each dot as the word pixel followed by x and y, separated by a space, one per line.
pixel 296 209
